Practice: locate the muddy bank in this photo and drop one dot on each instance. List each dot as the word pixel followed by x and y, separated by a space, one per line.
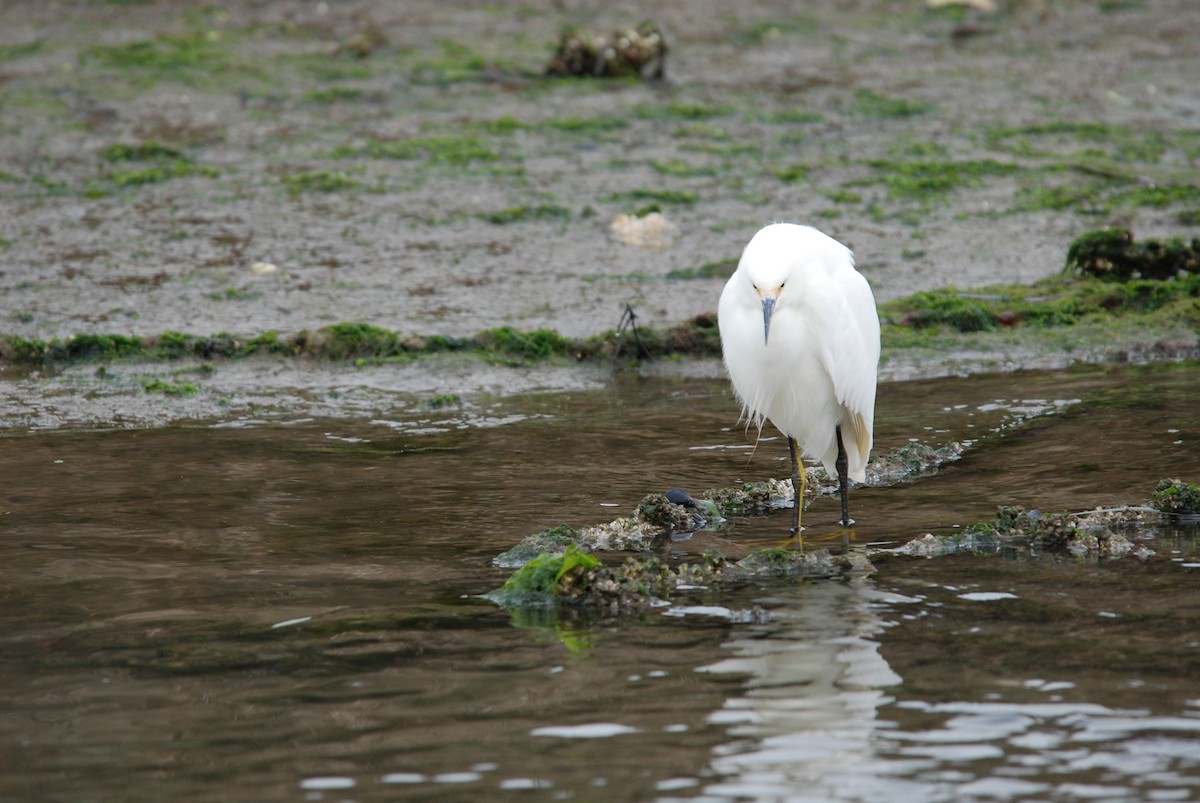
pixel 1113 302
pixel 252 167
pixel 244 172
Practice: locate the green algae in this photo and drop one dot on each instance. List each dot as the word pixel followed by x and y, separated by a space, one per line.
pixel 687 197
pixel 575 579
pixel 170 388
pixel 538 345
pixel 335 94
pixel 682 169
pixel 320 181
pixel 195 58
pixel 794 173
pixel 352 340
pixel 456 62
pixel 450 149
pixel 931 179
pixel 154 175
pixel 147 162
pixel 1075 307
pixel 548 578
pixel 590 126
pixel 1059 138
pixel 140 152
pixel 80 348
pixel 880 107
pixel 523 213
pixel 717 269
pixel 680 111
pixel 1066 300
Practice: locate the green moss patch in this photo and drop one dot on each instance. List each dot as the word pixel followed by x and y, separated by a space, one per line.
pixel 1170 297
pixel 718 269
pixel 141 152
pixel 170 388
pixel 680 111
pixel 1075 300
pixel 320 181
pixel 336 94
pixel 924 180
pixel 1058 138
pixel 550 578
pixel 519 214
pixel 147 162
pixel 876 106
pixel 200 57
pixel 451 149
pixel 591 126
pixel 657 196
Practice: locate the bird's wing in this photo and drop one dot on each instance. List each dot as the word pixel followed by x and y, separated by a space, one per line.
pixel 850 344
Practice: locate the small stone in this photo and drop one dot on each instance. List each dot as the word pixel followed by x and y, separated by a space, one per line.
pixel 651 231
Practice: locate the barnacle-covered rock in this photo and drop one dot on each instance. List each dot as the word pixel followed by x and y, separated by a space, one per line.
pixel 754 497
pixel 1112 254
pixel 638 52
pixel 1177 497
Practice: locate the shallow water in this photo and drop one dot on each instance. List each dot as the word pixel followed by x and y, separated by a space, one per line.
pixel 289 609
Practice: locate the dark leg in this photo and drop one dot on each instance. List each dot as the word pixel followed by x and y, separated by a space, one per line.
pixel 798 483
pixel 842 465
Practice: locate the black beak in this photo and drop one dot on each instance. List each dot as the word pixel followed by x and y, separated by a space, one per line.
pixel 768 307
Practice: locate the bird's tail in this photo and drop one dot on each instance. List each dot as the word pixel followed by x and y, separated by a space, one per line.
pixel 858 450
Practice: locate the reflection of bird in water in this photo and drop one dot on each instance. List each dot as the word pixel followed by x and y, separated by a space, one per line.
pixel 806 723
pixel 800 336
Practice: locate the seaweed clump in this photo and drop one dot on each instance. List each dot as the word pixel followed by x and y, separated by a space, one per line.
pixel 1111 254
pixel 576 578
pixel 555 567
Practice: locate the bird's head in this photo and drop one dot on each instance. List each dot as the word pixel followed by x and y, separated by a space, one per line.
pixel 781 262
pixel 768 298
pixel 768 278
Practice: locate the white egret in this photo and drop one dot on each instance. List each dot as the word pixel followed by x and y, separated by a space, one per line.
pixel 800 336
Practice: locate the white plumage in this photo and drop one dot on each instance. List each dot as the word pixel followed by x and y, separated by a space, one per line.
pixel 800 336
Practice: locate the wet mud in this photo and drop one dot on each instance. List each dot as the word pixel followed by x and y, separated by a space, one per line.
pixel 412 167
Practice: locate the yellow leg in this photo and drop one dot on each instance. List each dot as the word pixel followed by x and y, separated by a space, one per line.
pixel 799 481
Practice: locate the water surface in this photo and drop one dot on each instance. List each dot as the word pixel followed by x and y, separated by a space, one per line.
pixel 290 609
